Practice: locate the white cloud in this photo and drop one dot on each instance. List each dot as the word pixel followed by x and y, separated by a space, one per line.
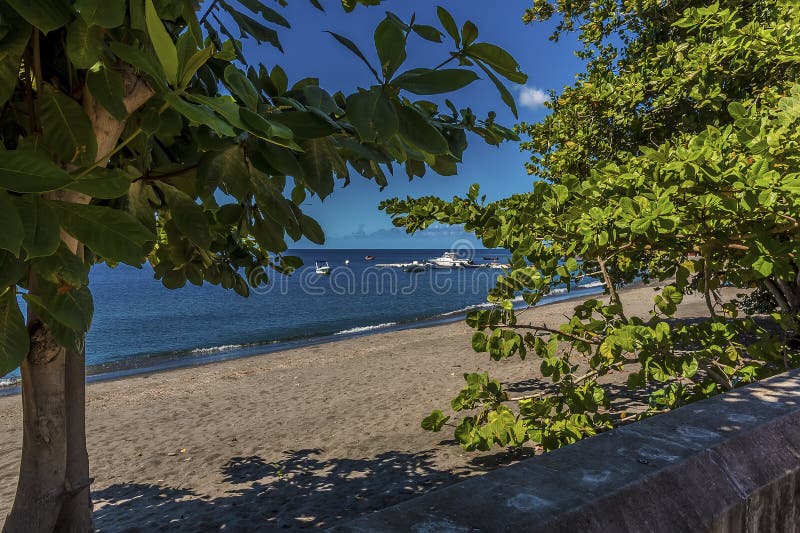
pixel 532 97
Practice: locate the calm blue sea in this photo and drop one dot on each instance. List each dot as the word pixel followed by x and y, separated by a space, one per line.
pixel 141 326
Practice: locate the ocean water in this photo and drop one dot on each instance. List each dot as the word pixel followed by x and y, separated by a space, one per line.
pixel 140 326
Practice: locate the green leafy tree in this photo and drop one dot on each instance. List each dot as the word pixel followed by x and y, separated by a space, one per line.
pixel 138 131
pixel 674 157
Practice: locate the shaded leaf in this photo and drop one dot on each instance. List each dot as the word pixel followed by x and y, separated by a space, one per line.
pixel 40 222
pixel 84 43
pixel 107 87
pixel 110 233
pixel 14 340
pixel 66 129
pixel 47 15
pixel 165 49
pixel 12 232
pixel 30 172
pixel 418 132
pixel 428 81
pixel 372 114
pixel 391 46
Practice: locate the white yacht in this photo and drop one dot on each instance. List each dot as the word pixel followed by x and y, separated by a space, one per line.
pixel 322 268
pixel 449 260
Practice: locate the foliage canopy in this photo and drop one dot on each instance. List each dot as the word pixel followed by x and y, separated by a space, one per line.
pixel 674 158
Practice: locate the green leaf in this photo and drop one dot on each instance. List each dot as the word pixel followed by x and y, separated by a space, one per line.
pixel 47 15
pixel 14 340
pixel 105 13
pixel 479 341
pixel 110 233
pixel 199 115
pixel 434 421
pixel 508 99
pixel 227 167
pixel 312 230
pixel 269 235
pixel 162 43
pixel 497 58
pixel 255 29
pixel 241 87
pixel 40 222
pixel 103 183
pixel 318 162
pixel 62 267
pixel 12 233
pixel 428 81
pixel 12 46
pixel 390 43
pixel 225 106
pixel 418 132
pixel 279 79
pixel 429 33
pixel 269 14
pixel 107 87
pixel 193 64
pixel 448 23
pixel 188 216
pixel 12 269
pixel 66 129
pixel 262 127
pixel 281 159
pixel 71 308
pixel 469 32
pixel 138 59
pixel 737 110
pixel 84 43
pixel 271 202
pixel 305 124
pixel 571 264
pixel 373 115
pixel 30 172
pixel 350 45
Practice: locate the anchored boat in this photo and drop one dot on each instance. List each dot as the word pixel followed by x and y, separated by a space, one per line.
pixel 322 268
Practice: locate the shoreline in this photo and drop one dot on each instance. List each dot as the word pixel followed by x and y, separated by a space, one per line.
pixel 146 364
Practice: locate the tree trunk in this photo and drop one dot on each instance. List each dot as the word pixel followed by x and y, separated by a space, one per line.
pixel 76 509
pixel 53 488
pixel 41 491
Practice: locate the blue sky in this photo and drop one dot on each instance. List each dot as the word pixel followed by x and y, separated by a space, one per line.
pixel 350 216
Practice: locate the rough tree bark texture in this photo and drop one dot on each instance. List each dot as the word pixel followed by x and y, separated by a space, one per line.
pixel 53 488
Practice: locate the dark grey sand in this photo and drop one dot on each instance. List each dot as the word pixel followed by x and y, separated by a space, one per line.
pixel 309 437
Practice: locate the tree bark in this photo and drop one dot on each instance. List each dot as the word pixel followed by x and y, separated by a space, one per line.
pixel 40 490
pixel 53 492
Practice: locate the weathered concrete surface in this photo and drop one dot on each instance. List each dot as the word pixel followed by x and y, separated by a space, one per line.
pixel 729 463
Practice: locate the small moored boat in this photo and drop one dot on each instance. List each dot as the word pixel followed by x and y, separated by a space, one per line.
pixel 369 257
pixel 322 268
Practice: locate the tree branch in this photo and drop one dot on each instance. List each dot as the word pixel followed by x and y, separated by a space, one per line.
pixel 545 329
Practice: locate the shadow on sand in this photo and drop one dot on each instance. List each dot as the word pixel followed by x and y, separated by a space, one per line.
pixel 302 490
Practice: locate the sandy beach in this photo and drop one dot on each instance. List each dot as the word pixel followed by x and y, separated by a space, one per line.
pixel 308 437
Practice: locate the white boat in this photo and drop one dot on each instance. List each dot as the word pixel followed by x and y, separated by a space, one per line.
pixel 449 260
pixel 415 266
pixel 322 268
